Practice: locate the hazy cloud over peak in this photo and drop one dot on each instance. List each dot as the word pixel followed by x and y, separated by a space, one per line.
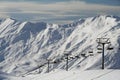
pixel 57 11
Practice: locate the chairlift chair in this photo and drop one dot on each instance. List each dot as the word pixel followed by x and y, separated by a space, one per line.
pixel 83 55
pixel 40 66
pixel 110 47
pixel 99 47
pixel 55 62
pixel 77 56
pixel 99 52
pixel 72 58
pixel 90 51
pixel 91 54
pixel 67 58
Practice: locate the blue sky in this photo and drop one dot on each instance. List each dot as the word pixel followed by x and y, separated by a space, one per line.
pixel 57 11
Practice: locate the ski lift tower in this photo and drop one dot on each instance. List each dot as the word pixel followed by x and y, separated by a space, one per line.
pixel 67 58
pixel 103 42
pixel 48 63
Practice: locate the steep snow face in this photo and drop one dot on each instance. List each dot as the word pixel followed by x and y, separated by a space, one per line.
pixel 25 45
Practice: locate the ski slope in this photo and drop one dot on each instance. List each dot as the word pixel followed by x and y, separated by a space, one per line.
pixel 71 75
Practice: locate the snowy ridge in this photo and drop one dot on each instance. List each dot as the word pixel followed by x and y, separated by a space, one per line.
pixel 25 45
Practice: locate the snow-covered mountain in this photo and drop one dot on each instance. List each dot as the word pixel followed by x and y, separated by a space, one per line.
pixel 24 46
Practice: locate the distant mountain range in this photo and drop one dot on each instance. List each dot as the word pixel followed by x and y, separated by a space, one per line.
pixel 24 46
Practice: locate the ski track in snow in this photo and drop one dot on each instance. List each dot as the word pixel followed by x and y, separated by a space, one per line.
pixel 102 75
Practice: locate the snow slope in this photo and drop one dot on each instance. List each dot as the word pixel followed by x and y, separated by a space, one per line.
pixel 78 75
pixel 71 75
pixel 24 46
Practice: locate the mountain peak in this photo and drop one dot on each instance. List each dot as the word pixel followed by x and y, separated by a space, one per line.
pixel 108 16
pixel 11 19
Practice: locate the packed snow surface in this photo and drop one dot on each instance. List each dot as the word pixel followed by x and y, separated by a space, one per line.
pixel 71 75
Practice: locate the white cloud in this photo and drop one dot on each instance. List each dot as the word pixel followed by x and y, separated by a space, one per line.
pixel 55 10
pixel 61 6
